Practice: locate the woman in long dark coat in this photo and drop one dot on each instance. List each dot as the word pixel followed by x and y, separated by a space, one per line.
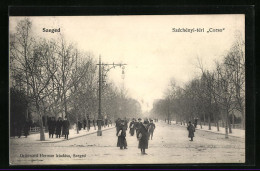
pixel 143 136
pixel 121 134
pixel 58 127
pixel 191 130
pixel 132 127
pixel 66 127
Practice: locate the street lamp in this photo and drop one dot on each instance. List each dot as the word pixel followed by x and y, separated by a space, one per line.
pixel 102 72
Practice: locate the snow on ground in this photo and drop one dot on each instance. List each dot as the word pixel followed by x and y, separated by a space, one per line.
pixel 169 145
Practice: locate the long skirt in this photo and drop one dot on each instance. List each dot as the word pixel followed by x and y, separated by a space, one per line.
pixel 121 142
pixel 143 143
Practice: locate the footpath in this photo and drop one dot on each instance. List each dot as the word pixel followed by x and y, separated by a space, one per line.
pixel 240 133
pixel 35 137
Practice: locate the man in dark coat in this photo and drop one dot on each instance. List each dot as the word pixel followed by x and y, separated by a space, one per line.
pixel 88 124
pixel 84 123
pixel 151 129
pixel 132 127
pixel 137 126
pixel 58 127
pixel 143 137
pixel 118 123
pixel 191 130
pixel 26 128
pixel 66 127
pixel 79 125
pixel 94 124
pixel 195 122
pixel 51 126
pixel 126 123
pixel 121 134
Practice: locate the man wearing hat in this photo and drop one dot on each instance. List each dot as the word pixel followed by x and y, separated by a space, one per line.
pixel 191 130
pixel 151 129
pixel 66 127
pixel 121 134
pixel 143 137
pixel 137 126
pixel 132 127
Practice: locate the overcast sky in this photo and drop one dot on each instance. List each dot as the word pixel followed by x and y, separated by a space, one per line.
pixel 153 53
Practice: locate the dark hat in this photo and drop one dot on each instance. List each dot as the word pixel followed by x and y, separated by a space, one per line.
pixel 146 122
pixel 139 119
pixel 122 120
pixel 189 121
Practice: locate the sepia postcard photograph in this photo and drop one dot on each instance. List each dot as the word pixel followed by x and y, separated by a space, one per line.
pixel 127 89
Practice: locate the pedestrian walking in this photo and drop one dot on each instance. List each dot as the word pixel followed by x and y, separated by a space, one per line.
pixel 58 127
pixel 66 126
pixel 84 123
pixel 132 127
pixel 88 124
pixel 191 130
pixel 143 137
pixel 121 134
pixel 195 122
pixel 151 129
pixel 118 122
pixel 137 126
pixel 51 127
pixel 26 128
pixel 94 124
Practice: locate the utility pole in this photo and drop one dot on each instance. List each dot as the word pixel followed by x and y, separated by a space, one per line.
pixel 102 73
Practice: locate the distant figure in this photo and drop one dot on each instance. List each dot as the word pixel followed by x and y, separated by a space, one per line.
pixel 51 127
pixel 106 122
pixel 26 128
pixel 58 127
pixel 121 134
pixel 84 123
pixel 88 124
pixel 79 125
pixel 143 137
pixel 151 129
pixel 191 130
pixel 94 124
pixel 66 127
pixel 126 123
pixel 195 122
pixel 132 127
pixel 138 126
pixel 118 122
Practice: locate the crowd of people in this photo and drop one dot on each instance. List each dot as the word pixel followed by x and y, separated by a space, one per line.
pixel 59 127
pixel 143 130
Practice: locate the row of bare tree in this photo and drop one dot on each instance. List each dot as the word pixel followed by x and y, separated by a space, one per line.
pixel 59 80
pixel 212 97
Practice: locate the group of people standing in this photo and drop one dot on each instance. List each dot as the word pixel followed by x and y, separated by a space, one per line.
pixel 144 131
pixel 59 127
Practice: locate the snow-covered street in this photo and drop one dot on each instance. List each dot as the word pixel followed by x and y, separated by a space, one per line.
pixel 169 145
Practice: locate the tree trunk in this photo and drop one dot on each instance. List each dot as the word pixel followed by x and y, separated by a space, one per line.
pixel 226 128
pixel 217 126
pixel 42 136
pixel 200 125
